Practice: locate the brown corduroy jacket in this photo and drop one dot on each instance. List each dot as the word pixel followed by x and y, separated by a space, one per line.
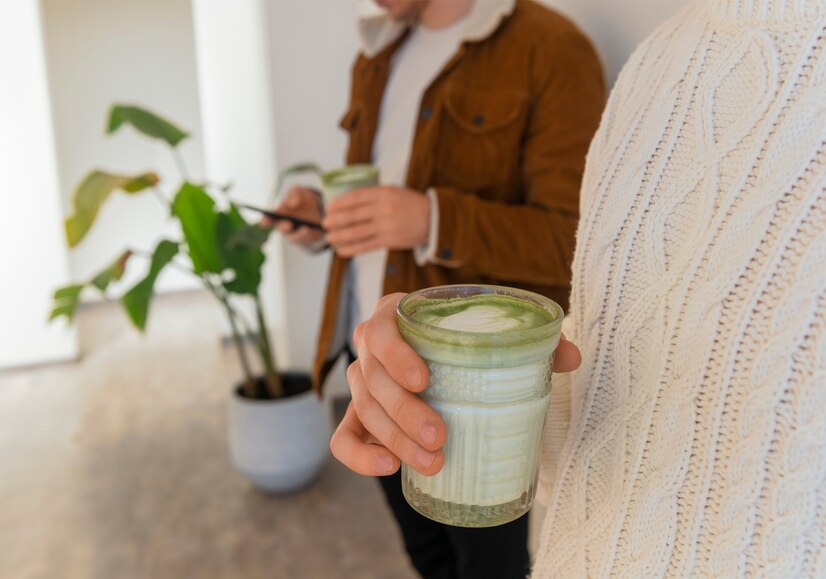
pixel 501 138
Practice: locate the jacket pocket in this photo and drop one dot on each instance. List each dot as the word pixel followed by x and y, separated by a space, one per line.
pixel 358 150
pixel 479 144
pixel 350 120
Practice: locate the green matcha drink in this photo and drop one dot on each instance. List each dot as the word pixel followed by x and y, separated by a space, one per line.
pixel 490 353
pixel 338 181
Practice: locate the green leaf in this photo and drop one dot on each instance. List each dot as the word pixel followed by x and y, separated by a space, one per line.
pixel 112 273
pixel 250 237
pixel 66 300
pixel 145 122
pixel 137 300
pixel 196 211
pixel 297 169
pixel 141 182
pixel 93 192
pixel 239 245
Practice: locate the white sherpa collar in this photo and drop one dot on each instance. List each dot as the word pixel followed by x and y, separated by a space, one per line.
pixel 377 30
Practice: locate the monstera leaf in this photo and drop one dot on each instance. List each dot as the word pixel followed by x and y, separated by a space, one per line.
pixel 93 192
pixel 65 302
pixel 239 246
pixel 196 211
pixel 145 122
pixel 137 300
pixel 66 299
pixel 252 237
pixel 112 273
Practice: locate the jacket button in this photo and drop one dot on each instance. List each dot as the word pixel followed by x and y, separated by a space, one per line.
pixel 426 113
pixel 391 270
pixel 446 253
pixel 478 120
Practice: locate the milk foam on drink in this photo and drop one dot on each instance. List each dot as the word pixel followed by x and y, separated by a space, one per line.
pixel 489 351
pixel 482 315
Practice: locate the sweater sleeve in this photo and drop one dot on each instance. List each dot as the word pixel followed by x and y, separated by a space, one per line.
pixel 533 241
pixel 557 425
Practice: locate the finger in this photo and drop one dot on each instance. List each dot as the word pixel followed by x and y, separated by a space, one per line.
pixel 300 202
pixel 348 243
pixel 354 198
pixel 377 422
pixel 348 445
pixel 290 201
pixel 352 234
pixel 380 336
pixel 567 357
pixel 338 218
pixel 285 226
pixel 416 419
pixel 359 248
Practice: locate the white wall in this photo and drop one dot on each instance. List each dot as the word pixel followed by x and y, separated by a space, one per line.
pixel 137 51
pixel 32 253
pixel 313 44
pixel 617 26
pixel 234 71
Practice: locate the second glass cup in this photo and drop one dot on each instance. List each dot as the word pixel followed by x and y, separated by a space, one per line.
pixel 344 179
pixel 489 350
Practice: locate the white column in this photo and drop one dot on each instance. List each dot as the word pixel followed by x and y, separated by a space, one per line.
pixel 232 53
pixel 32 252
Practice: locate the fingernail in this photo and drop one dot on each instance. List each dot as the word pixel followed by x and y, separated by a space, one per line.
pixel 424 458
pixel 428 433
pixel 414 377
pixel 386 464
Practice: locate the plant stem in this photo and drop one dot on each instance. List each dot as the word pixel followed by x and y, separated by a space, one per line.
pixel 242 355
pixel 273 379
pixel 179 161
pixel 224 297
pixel 209 286
pixel 245 323
pixel 234 317
pixel 249 382
pixel 160 196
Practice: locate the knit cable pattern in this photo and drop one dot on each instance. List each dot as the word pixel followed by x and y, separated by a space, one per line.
pixel 695 440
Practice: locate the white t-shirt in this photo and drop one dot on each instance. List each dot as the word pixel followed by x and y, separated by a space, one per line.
pixel 415 65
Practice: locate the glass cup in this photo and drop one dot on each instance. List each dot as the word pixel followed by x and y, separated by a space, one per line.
pixel 339 181
pixel 492 389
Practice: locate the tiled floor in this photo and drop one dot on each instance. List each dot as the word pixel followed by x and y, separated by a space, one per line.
pixel 116 467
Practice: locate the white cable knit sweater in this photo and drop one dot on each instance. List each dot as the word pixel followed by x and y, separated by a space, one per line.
pixel 692 442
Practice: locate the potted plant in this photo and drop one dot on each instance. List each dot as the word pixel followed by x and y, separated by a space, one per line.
pixel 278 429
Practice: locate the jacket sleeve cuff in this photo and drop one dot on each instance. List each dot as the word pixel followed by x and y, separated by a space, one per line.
pixel 445 233
pixel 317 246
pixel 424 254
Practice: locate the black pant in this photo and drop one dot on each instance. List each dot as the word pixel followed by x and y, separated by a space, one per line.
pixel 440 551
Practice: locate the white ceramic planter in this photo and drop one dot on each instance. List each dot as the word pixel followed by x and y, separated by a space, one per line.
pixel 280 445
